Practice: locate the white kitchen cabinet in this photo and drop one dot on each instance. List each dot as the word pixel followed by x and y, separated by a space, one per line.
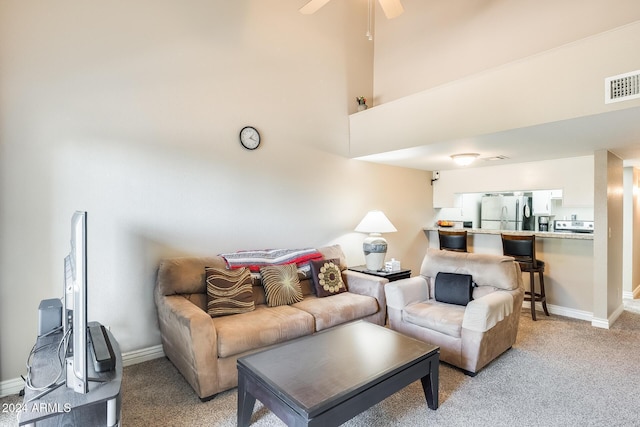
pixel 541 202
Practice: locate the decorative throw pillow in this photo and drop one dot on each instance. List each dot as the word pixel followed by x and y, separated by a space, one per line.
pixel 281 284
pixel 454 288
pixel 327 278
pixel 228 291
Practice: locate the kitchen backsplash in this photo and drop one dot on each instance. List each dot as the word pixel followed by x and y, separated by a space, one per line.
pixel 561 212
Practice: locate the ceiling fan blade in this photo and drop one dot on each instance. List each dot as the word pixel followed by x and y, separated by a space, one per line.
pixel 312 6
pixel 391 8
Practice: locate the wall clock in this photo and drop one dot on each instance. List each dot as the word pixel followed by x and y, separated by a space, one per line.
pixel 249 137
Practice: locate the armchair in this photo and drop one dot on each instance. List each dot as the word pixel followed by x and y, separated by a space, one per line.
pixel 469 336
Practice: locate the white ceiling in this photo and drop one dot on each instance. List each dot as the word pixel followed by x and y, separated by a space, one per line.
pixel 617 131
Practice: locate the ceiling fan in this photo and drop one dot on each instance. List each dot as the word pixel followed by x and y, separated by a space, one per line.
pixel 391 8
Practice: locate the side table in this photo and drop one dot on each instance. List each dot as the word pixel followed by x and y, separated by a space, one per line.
pixel 392 276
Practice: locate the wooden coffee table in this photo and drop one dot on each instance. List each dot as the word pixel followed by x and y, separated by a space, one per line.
pixel 328 378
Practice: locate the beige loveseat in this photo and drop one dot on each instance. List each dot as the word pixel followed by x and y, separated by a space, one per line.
pixel 469 336
pixel 205 349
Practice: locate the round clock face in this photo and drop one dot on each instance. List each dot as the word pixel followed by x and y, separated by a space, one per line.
pixel 249 138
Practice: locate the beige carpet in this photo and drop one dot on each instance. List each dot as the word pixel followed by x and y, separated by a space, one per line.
pixel 561 372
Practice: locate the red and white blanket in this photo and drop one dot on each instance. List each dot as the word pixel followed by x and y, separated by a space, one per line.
pixel 260 258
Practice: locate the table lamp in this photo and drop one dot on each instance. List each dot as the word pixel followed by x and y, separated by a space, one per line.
pixel 375 246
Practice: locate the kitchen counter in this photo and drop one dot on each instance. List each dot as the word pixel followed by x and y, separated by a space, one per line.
pixel 540 234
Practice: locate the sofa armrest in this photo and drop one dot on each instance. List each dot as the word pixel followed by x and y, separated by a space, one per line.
pixel 189 340
pixel 403 292
pixel 484 313
pixel 367 284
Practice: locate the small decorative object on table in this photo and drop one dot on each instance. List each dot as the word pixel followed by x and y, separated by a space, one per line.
pixel 362 103
pixel 391 266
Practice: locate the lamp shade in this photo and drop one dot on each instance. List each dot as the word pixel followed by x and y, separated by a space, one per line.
pixel 375 222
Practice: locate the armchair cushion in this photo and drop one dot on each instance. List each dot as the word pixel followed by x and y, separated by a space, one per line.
pixel 453 288
pixel 437 316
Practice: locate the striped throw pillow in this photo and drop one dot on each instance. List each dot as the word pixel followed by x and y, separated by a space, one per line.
pixel 229 291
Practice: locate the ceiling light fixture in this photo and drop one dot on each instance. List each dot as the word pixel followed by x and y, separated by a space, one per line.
pixel 465 159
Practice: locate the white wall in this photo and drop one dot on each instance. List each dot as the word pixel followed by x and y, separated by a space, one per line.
pixel 574 176
pixel 131 111
pixel 435 42
pixel 631 227
pixel 607 238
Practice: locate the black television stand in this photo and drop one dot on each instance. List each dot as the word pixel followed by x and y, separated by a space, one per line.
pixel 60 405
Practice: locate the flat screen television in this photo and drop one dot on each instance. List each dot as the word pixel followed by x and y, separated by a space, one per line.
pixel 75 306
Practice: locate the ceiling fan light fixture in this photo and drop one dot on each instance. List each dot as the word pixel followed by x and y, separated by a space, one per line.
pixel 464 159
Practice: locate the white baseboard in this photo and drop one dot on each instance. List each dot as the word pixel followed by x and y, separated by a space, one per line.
pixel 635 294
pixel 9 387
pixel 580 314
pixel 599 322
pixel 606 323
pixel 138 356
pixel 129 358
pixel 561 311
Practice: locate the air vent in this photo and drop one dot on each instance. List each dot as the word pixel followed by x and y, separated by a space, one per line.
pixel 494 158
pixel 622 87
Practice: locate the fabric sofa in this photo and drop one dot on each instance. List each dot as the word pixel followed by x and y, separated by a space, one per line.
pixel 472 335
pixel 205 348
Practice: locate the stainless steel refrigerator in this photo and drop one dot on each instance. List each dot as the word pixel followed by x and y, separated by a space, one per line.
pixel 506 212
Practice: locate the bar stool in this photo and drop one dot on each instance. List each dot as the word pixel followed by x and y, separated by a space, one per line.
pixel 453 240
pixel 523 249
